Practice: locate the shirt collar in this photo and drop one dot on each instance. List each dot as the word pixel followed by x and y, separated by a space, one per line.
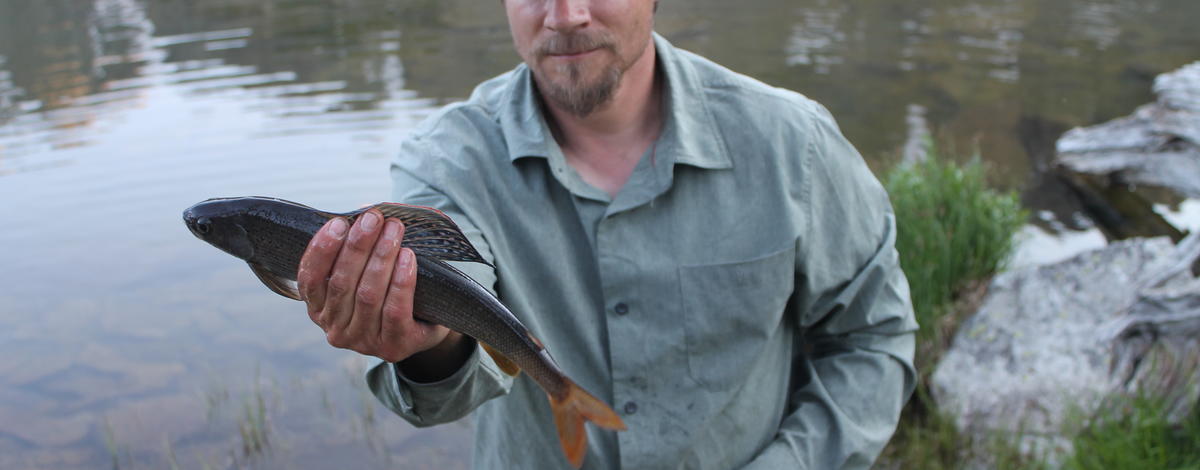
pixel 690 131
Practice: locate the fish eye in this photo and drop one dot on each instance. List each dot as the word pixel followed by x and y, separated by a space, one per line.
pixel 203 225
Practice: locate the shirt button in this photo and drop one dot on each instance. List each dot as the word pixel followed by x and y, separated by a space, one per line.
pixel 621 308
pixel 630 407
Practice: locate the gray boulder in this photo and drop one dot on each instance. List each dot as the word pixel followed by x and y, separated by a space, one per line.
pixel 1055 341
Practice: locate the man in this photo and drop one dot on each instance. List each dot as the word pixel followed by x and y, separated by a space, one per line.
pixel 704 252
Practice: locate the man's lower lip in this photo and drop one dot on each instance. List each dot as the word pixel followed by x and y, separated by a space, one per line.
pixel 573 56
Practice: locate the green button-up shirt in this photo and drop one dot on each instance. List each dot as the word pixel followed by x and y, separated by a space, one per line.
pixel 739 302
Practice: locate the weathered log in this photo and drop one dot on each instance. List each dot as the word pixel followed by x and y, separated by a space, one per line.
pixel 1159 144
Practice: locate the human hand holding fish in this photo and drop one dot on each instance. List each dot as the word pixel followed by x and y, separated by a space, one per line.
pixel 376 280
pixel 358 283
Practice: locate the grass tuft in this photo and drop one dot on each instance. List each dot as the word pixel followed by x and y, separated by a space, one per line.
pixel 952 229
pixel 953 233
pixel 1137 433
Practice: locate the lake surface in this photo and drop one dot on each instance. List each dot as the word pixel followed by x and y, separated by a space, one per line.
pixel 125 342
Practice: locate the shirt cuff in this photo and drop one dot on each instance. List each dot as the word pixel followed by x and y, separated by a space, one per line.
pixel 431 403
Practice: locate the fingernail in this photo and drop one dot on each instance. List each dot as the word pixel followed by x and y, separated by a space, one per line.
pixel 369 221
pixel 338 227
pixel 391 229
pixel 390 238
pixel 406 260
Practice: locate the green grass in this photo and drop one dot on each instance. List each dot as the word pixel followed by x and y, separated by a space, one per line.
pixel 951 230
pixel 1137 434
pixel 953 233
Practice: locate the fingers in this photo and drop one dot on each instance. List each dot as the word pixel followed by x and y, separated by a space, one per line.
pixel 373 287
pixel 342 287
pixel 359 285
pixel 317 263
pixel 399 335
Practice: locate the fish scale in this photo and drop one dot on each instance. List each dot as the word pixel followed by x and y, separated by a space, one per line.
pixel 271 235
pixel 438 302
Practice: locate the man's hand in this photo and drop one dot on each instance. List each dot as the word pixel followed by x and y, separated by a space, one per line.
pixel 359 283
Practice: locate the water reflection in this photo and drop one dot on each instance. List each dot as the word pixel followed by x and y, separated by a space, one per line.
pixel 117 119
pixel 813 39
pixel 122 338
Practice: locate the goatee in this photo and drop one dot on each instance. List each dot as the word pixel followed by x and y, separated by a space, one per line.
pixel 576 97
pixel 573 94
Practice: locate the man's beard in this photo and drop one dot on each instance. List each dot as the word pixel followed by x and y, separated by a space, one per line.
pixel 575 96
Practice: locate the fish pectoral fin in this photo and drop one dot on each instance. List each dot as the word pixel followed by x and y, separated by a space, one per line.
pixel 277 284
pixel 506 365
pixel 576 407
pixel 429 232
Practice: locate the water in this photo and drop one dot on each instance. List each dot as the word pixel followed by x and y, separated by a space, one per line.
pixel 125 342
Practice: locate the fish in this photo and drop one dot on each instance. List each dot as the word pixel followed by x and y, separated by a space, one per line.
pixel 272 234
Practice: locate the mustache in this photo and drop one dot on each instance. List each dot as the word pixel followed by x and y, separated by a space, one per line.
pixel 574 43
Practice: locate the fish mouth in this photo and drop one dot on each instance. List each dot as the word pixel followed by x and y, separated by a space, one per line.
pixel 197 224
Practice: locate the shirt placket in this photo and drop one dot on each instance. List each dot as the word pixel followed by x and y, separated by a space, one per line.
pixel 625 332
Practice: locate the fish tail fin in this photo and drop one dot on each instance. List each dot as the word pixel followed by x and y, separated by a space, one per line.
pixel 571 411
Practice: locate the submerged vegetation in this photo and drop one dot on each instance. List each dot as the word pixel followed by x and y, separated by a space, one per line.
pixel 954 233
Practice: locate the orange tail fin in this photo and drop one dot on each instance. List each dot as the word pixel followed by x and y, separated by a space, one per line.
pixel 569 414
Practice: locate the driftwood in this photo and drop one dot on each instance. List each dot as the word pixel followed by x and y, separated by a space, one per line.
pixel 1158 145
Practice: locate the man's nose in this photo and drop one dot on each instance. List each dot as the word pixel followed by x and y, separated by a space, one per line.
pixel 566 16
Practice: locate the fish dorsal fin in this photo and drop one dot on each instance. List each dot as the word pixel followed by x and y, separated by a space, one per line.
pixel 277 284
pixel 429 232
pixel 506 365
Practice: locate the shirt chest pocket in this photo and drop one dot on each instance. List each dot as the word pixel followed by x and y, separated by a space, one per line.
pixel 730 310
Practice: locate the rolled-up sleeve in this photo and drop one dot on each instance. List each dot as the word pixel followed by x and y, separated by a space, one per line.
pixel 853 370
pixel 479 379
pixel 428 404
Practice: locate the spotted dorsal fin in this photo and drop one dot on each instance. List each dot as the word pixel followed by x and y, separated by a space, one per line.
pixel 429 232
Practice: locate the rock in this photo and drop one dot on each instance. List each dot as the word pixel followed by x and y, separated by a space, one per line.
pixel 1159 144
pixel 1055 340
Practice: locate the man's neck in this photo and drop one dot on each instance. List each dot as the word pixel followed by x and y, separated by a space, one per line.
pixel 604 146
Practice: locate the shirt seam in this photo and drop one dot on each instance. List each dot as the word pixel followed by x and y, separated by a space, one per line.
pixel 806 197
